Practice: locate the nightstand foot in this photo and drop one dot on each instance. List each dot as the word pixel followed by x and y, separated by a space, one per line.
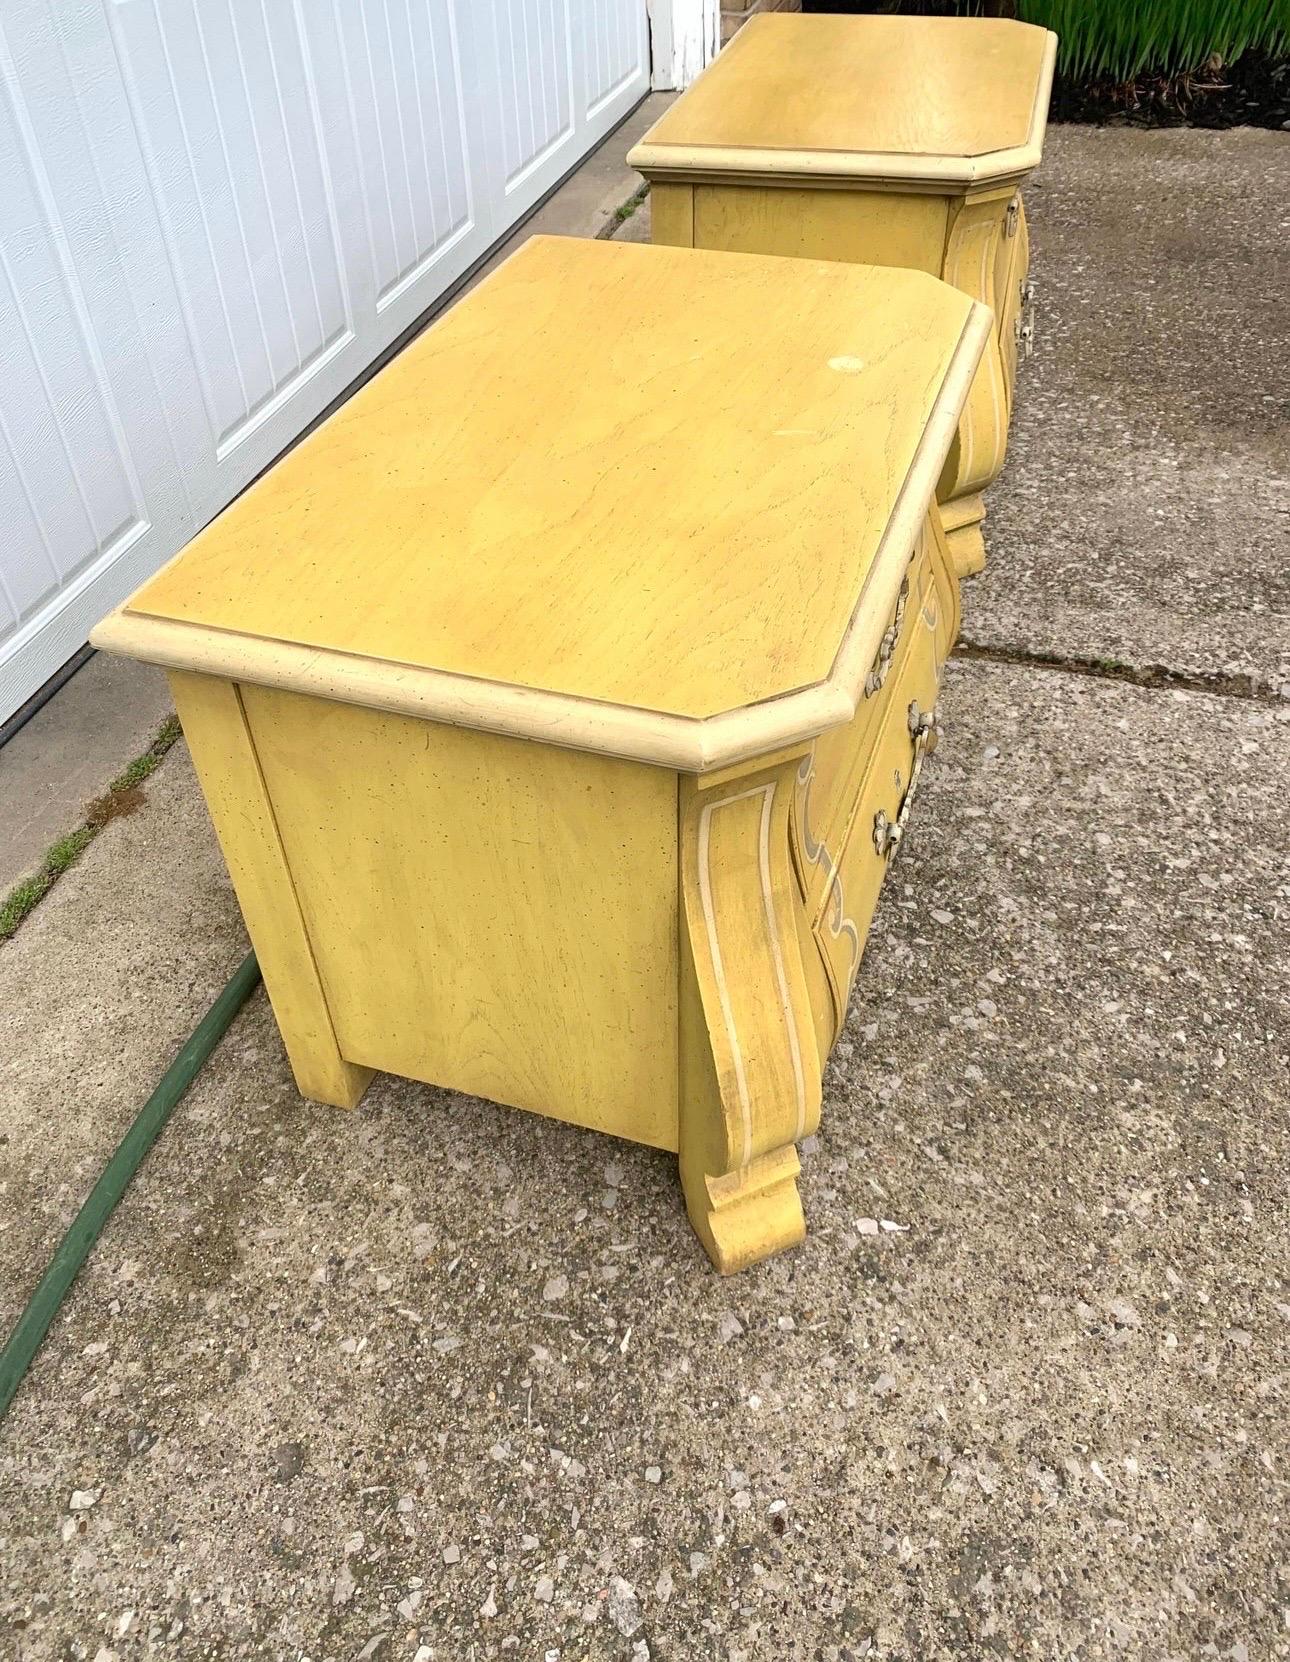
pixel 745 1216
pixel 962 518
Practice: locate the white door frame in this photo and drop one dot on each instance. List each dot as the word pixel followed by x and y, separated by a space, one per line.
pixel 684 37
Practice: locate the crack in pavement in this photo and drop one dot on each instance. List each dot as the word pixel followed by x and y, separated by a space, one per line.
pixel 1154 677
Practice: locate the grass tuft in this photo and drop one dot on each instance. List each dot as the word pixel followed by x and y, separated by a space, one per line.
pixel 623 212
pixel 122 796
pixel 143 766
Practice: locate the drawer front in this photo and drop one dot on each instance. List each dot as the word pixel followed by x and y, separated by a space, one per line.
pixel 882 802
pixel 1012 236
pixel 827 794
pixel 924 622
pixel 1011 290
pixel 1012 254
pixel 814 222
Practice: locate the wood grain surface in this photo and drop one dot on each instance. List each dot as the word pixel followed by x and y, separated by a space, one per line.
pixel 901 87
pixel 486 914
pixel 651 477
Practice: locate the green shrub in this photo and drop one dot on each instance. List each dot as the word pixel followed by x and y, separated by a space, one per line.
pixel 1120 39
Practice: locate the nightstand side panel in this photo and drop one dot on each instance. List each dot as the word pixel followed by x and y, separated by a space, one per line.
pixel 488 914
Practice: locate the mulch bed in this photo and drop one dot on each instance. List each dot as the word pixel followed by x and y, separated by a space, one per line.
pixel 1252 92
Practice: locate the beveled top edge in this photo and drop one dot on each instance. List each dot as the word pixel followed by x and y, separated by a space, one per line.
pixel 674 162
pixel 687 744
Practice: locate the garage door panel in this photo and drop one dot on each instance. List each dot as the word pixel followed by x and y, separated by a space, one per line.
pixel 564 73
pixel 67 469
pixel 442 55
pixel 69 491
pixel 214 214
pixel 615 60
pixel 533 58
pixel 402 72
pixel 256 263
pixel 292 162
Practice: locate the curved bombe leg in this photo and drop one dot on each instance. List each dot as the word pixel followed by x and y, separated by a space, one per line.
pixel 977 226
pixel 750 1072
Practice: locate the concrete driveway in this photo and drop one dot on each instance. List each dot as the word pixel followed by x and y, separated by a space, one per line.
pixel 439 1380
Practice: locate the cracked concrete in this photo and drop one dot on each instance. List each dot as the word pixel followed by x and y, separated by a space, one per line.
pixel 438 1379
pixel 1144 515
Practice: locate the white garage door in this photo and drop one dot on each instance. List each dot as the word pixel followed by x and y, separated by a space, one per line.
pixel 213 215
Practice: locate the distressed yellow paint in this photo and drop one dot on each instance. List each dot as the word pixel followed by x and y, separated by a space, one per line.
pixel 942 88
pixel 514 780
pixel 849 225
pixel 827 793
pixel 750 1076
pixel 1011 268
pixel 672 216
pixel 214 723
pixel 507 548
pixel 854 869
pixel 898 141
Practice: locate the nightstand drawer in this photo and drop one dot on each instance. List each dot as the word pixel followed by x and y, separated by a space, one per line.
pixel 1012 290
pixel 923 623
pixel 1012 251
pixel 878 823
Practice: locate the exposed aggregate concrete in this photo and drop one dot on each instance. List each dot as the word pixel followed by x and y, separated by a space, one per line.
pixel 460 1377
pixel 440 1380
pixel 1144 513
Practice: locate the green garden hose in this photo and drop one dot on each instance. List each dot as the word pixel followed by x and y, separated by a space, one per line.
pixel 75 1247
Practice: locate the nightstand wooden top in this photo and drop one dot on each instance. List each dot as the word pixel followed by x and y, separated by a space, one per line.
pixel 650 501
pixel 894 98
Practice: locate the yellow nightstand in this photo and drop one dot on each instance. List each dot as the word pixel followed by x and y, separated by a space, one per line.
pixel 891 140
pixel 559 702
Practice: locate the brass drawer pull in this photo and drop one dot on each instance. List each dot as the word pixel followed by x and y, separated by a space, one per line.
pixel 887 646
pixel 924 726
pixel 1024 327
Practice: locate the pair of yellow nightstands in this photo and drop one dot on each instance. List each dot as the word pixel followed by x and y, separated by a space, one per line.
pixel 560 702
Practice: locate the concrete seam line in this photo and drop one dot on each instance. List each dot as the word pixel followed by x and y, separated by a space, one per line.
pixel 622 213
pixel 1150 677
pixel 65 851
